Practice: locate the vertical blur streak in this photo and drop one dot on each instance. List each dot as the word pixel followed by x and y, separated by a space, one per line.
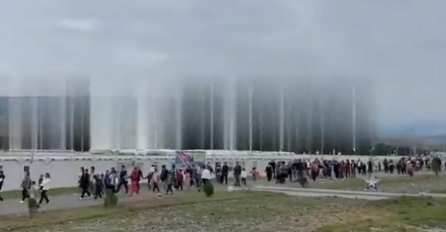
pixel 296 115
pixel 211 113
pixel 178 119
pixel 281 117
pixel 321 109
pixel 250 115
pixel 354 118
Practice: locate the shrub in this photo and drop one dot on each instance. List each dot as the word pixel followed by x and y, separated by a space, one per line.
pixel 33 207
pixel 303 181
pixel 111 199
pixel 208 189
pixel 436 165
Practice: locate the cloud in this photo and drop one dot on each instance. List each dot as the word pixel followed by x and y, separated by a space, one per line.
pixel 397 46
pixel 86 25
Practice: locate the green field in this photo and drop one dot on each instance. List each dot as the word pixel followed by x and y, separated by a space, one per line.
pixel 243 211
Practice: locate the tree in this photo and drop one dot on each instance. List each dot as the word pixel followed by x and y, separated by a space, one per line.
pixel 381 149
pixel 436 165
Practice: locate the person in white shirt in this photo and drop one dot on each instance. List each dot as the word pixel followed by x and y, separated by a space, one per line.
pixel 244 176
pixel 45 186
pixel 206 175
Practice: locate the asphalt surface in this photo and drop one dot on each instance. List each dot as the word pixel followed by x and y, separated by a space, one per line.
pixel 14 207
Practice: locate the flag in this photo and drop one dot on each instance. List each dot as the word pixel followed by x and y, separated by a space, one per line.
pixel 182 160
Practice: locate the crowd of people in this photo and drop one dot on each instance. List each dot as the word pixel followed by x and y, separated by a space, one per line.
pixel 158 180
pixel 340 169
pixel 95 184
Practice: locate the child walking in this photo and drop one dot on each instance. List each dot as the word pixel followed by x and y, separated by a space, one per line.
pixel 244 176
pixel 45 187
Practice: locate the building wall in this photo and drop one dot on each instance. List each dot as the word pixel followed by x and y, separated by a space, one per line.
pixel 195 113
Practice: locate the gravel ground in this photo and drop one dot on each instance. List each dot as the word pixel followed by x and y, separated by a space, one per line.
pixel 264 213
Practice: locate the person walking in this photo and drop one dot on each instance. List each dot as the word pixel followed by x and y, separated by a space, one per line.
pixel 98 187
pixel 92 183
pixel 135 177
pixel 179 178
pixel 150 176
pixel 269 172
pixel 84 184
pixel 39 182
pixel 244 176
pixel 114 179
pixel 206 176
pixel 169 181
pixel 123 180
pixel 2 180
pixel 224 174
pixel 163 176
pixel 155 181
pixel 197 172
pixel 25 185
pixel 45 187
pixel 237 173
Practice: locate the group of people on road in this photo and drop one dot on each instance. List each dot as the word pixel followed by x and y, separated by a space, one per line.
pixel 91 181
pixel 335 169
pixel 240 174
pixel 31 189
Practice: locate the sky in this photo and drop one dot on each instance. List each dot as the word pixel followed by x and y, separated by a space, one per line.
pixel 397 46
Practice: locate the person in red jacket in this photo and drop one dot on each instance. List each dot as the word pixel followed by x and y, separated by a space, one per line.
pixel 135 177
pixel 179 178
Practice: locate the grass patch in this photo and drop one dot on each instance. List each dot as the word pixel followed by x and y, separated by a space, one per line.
pixel 64 217
pixel 242 211
pixel 403 214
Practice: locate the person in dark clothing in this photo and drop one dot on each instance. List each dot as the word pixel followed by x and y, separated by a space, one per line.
pixel 84 184
pixel 169 182
pixel 26 184
pixel 98 187
pixel 39 182
pixel 370 167
pixel 107 181
pixel 123 180
pixel 273 166
pixel 269 172
pixel 237 173
pixel 224 174
pixel 197 177
pixel 290 172
pixel 164 175
pixel 179 180
pixel 2 180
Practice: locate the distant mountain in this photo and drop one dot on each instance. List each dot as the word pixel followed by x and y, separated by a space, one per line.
pixel 421 129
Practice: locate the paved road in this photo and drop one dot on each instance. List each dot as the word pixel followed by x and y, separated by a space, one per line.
pixel 11 207
pixel 339 193
pixel 14 207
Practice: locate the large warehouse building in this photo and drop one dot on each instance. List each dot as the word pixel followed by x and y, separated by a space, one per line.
pixel 190 113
